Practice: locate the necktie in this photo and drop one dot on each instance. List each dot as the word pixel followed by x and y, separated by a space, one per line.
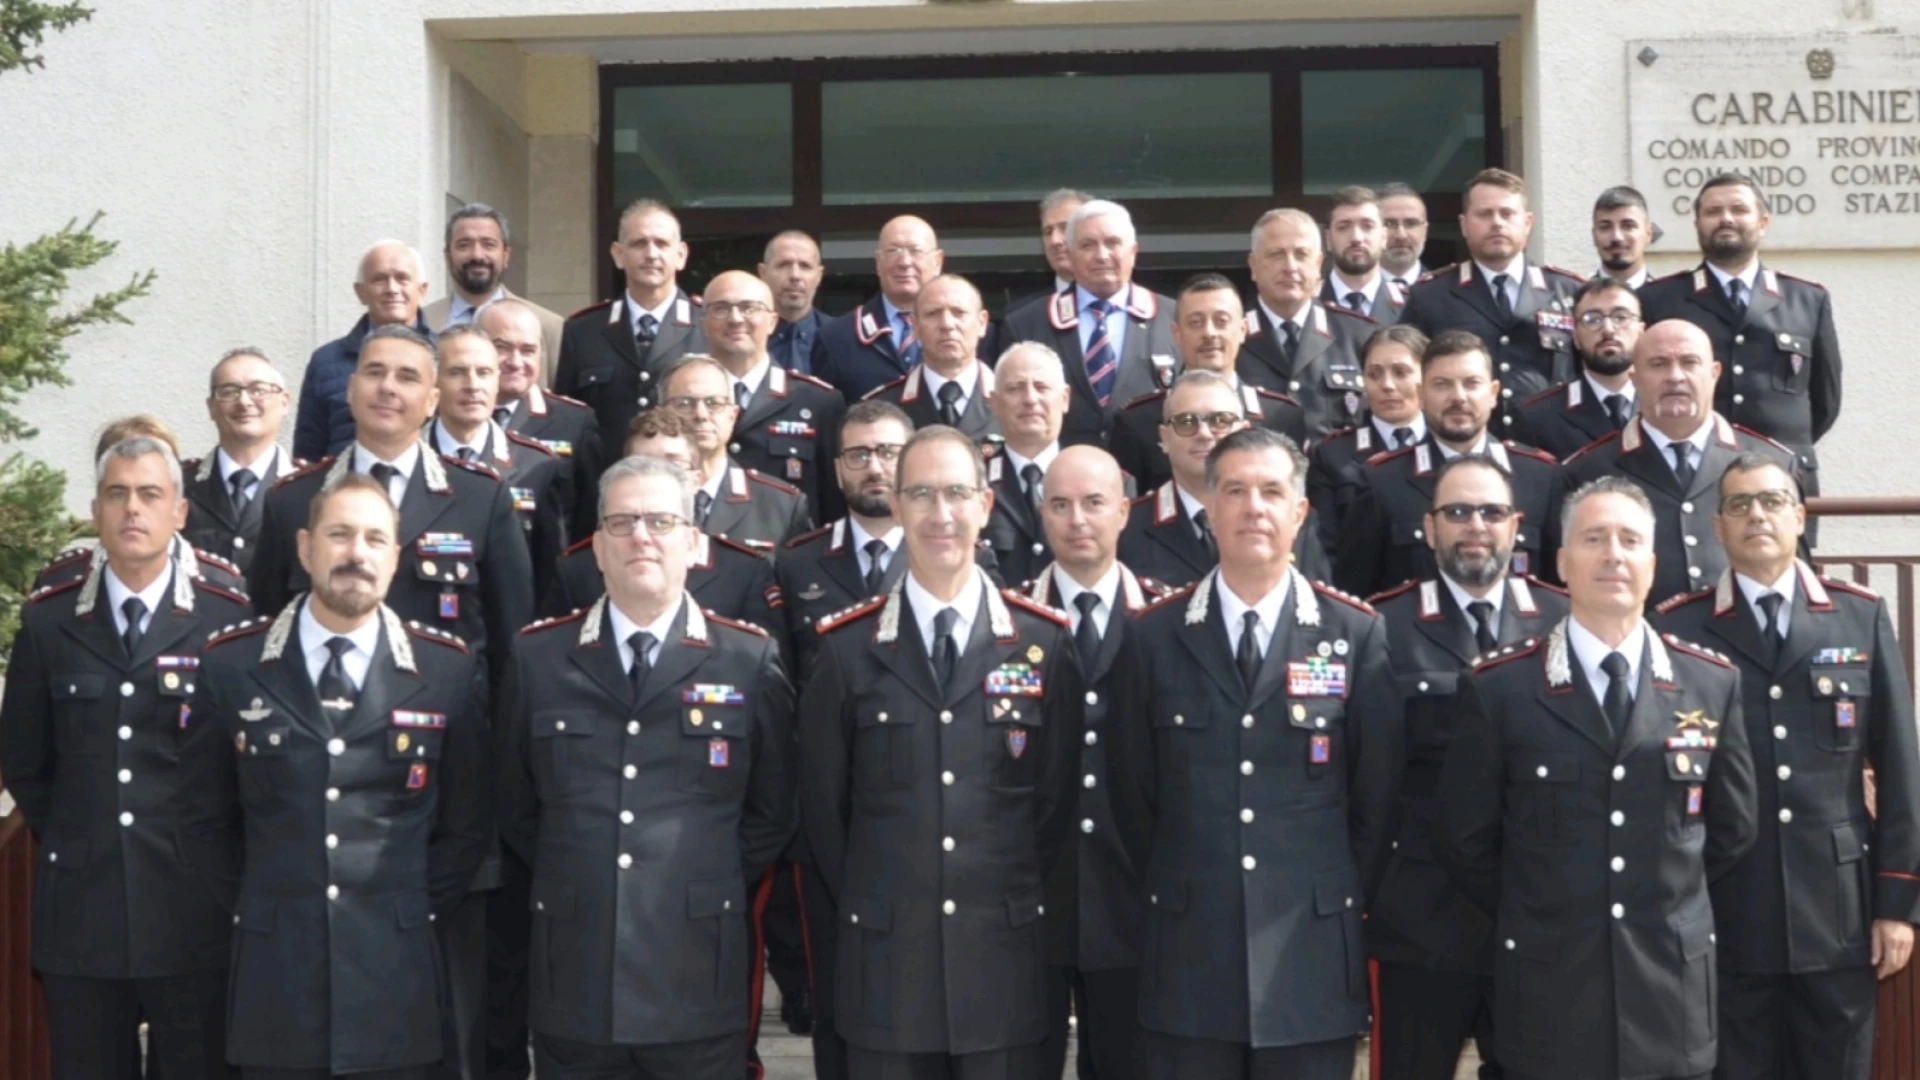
pixel 502 414
pixel 1500 301
pixel 1737 295
pixel 135 609
pixel 950 403
pixel 1291 345
pixel 1205 529
pixel 1482 612
pixel 1403 283
pixel 240 481
pixel 1618 704
pixel 642 643
pixel 467 454
pixel 741 395
pixel 1770 633
pixel 385 473
pixel 702 506
pixel 336 689
pixel 1102 362
pixel 909 342
pixel 1402 438
pixel 1247 656
pixel 1357 301
pixel 1034 479
pixel 1683 465
pixel 643 335
pixel 1086 636
pixel 946 654
pixel 876 565
pixel 1617 411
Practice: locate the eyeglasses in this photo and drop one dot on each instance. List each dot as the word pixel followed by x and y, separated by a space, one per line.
pixel 902 251
pixel 690 405
pixel 229 393
pixel 1592 320
pixel 859 457
pixel 656 524
pixel 1461 513
pixel 1188 423
pixel 1772 501
pixel 746 309
pixel 924 496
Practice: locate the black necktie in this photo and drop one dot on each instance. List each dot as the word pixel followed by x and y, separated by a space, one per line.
pixel 135 609
pixel 1086 636
pixel 1206 536
pixel 1770 633
pixel 1618 704
pixel 1617 410
pixel 502 414
pixel 1357 301
pixel 1683 465
pixel 1290 346
pixel 1500 302
pixel 1402 438
pixel 336 689
pixel 467 454
pixel 240 481
pixel 1482 612
pixel 946 654
pixel 385 473
pixel 642 644
pixel 741 395
pixel 1031 476
pixel 876 565
pixel 949 394
pixel 1737 295
pixel 1247 656
pixel 644 333
pixel 702 506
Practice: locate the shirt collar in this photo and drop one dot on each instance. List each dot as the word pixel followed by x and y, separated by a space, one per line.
pixel 313 636
pixel 1746 276
pixel 861 536
pixel 1188 500
pixel 1368 290
pixel 1698 440
pixel 717 481
pixel 624 628
pixel 1299 322
pixel 756 376
pixel 1044 459
pixel 1414 273
pixel 966 605
pixel 634 310
pixel 1081 297
pixel 1234 610
pixel 1589 650
pixel 967 379
pixel 364 459
pixel 459 311
pixel 1496 596
pixel 1516 271
pixel 1633 282
pixel 154 595
pixel 1061 284
pixel 1601 393
pixel 894 314
pixel 1385 429
pixel 444 441
pixel 1106 588
pixel 1754 590
pixel 260 467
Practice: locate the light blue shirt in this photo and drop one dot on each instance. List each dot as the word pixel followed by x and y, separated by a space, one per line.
pixel 634 311
pixel 1116 320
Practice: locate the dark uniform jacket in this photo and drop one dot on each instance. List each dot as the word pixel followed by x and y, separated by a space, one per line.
pixel 1259 816
pixel 540 483
pixel 1160 542
pixel 1388 300
pixel 1383 540
pixel 1146 356
pixel 1094 903
pixel 1014 531
pixel 1135 438
pixel 790 429
pixel 1779 361
pixel 1593 853
pixel 935 816
pixel 1686 551
pixel 334 849
pixel 1324 374
pixel 856 352
pixel 601 364
pixel 756 510
pixel 567 428
pixel 644 819
pixel 211 522
pixel 1831 701
pixel 1420 917
pixel 910 392
pixel 731 580
pixel 1336 469
pixel 89 744
pixel 1532 349
pixel 82 557
pixel 1563 420
pixel 464 567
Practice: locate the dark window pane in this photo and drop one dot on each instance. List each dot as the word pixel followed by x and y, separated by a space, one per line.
pixel 1426 127
pixel 989 140
pixel 704 146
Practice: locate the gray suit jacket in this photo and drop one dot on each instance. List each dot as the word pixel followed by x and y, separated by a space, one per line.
pixel 550 324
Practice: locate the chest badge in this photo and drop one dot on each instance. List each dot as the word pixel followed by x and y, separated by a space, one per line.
pixel 1035 654
pixel 1695 720
pixel 1017 742
pixel 255 711
pixel 717 753
pixel 417 776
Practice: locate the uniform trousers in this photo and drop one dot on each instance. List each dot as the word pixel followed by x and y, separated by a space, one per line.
pixel 1013 1063
pixel 1425 1016
pixel 1816 1026
pixel 417 1072
pixel 509 939
pixel 1107 1004
pixel 463 1012
pixel 817 915
pixel 93 1026
pixel 786 938
pixel 1176 1057
pixel 722 1057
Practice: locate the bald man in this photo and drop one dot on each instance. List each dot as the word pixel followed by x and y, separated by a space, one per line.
pixel 391 284
pixel 1094 906
pixel 788 422
pixel 875 343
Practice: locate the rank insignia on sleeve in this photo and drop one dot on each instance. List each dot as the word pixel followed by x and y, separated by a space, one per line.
pixel 1016 742
pixel 416 776
pixel 1316 676
pixel 712 694
pixel 1321 750
pixel 717 753
pixel 1014 680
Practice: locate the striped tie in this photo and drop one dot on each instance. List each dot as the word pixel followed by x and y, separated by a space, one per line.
pixel 909 342
pixel 1102 363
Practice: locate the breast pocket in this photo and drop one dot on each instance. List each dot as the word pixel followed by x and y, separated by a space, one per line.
pixel 1792 355
pixel 713 750
pixel 1344 384
pixel 559 751
pixel 79 727
pixel 1841 700
pixel 1544 786
pixel 453 577
pixel 590 383
pixel 1180 728
pixel 1013 730
pixel 1316 724
pixel 882 747
pixel 794 452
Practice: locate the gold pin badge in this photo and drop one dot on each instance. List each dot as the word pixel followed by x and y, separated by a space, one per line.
pixel 696 717
pixel 170 681
pixel 1826 685
pixel 1035 654
pixel 402 741
pixel 1299 712
pixel 1680 762
pixel 460 571
pixel 429 568
pixel 1695 719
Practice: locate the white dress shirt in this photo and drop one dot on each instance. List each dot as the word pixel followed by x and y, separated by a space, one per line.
pixel 1516 272
pixel 1385 430
pixel 1106 589
pixel 966 380
pixel 634 311
pixel 1299 322
pixel 1496 596
pixel 1234 610
pixel 624 628
pixel 1017 465
pixel 261 467
pixel 446 443
pixel 1747 276
pixel 753 379
pixel 364 461
pixel 926 606
pixel 1589 650
pixel 862 537
pixel 1601 393
pixel 313 646
pixel 1696 443
pixel 1369 290
pixel 153 596
pixel 1754 590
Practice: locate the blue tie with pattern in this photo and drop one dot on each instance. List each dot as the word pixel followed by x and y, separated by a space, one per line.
pixel 1102 362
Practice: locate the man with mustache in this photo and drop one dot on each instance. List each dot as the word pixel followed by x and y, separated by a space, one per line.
pixel 1390 367
pixel 1606 327
pixel 1295 345
pixel 952 386
pixel 102 670
pixel 247 401
pixel 1356 240
pixel 561 424
pixel 792 269
pixel 335 798
pixel 1403 218
pixel 1621 233
pixel 391 284
pixel 875 343
pixel 478 249
pixel 1772 334
pixel 1383 540
pixel 741 504
pixel 1518 308
pixel 1432 945
pixel 1676 448
pixel 1826 900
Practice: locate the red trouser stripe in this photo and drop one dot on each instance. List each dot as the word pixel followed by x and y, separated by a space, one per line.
pixel 1373 1041
pixel 756 987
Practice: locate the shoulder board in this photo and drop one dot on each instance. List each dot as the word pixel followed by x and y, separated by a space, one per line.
pixel 1677 275
pixel 808 537
pixel 557 620
pixel 54 590
pixel 1551 391
pixel 1388 455
pixel 1437 272
pixel 1335 309
pixel 304 471
pixel 565 400
pixel 883 388
pixel 591 307
pixel 1853 587
pixel 737 546
pixel 1145 399
pixel 1346 598
pixel 1021 600
pixel 77 551
pixel 215 560
pixel 1511 652
pixel 440 637
pixel 237 630
pixel 206 586
pixel 811 380
pixel 521 440
pixel 1767 440
pixel 1697 652
pixel 1168 598
pixel 477 467
pixel 1533 452
pixel 745 627
pixel 1547 585
pixel 1678 601
pixel 777 485
pixel 1275 395
pixel 1579 279
pixel 1798 278
pixel 841 618
pixel 1405 586
pixel 578 546
pixel 189 466
pixel 1336 433
pixel 1610 437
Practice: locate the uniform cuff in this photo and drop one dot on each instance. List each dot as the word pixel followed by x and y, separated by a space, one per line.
pixel 1896 896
